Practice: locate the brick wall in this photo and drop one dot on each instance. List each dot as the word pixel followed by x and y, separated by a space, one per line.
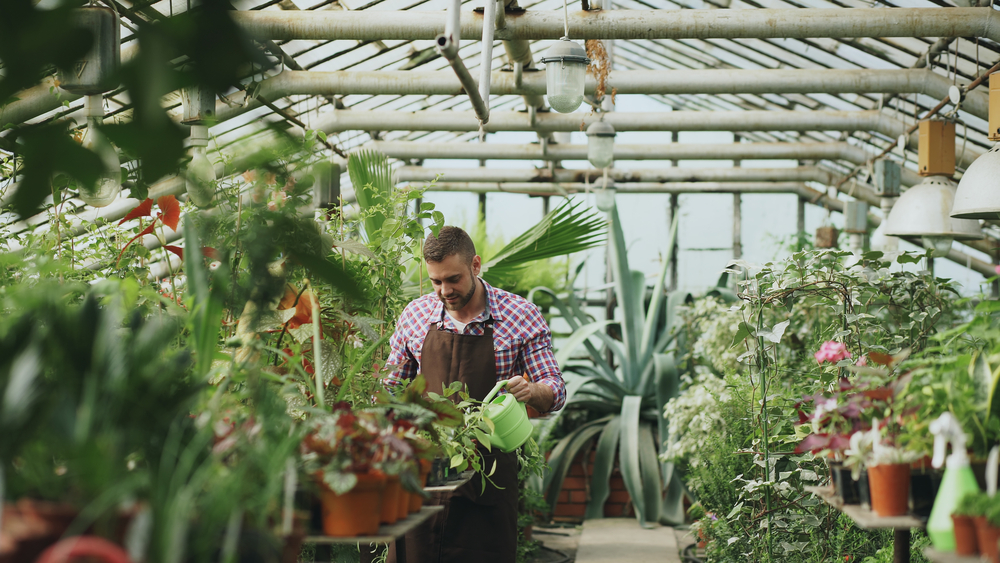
pixel 575 493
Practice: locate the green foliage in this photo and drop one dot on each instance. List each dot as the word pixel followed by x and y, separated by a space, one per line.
pixel 747 473
pixel 974 504
pixel 565 230
pixel 629 394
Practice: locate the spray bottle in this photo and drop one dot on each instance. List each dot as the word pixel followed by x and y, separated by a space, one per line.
pixel 958 480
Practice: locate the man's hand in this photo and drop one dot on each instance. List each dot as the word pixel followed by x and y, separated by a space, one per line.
pixel 539 396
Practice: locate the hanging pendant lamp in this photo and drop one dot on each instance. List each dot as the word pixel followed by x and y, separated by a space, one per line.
pixel 978 194
pixel 924 211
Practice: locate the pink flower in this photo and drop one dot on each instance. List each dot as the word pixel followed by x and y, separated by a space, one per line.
pixel 862 361
pixel 997 269
pixel 832 352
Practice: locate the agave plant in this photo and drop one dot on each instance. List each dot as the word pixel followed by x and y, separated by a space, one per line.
pixel 630 392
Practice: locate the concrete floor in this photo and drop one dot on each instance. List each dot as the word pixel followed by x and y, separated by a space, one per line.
pixel 611 540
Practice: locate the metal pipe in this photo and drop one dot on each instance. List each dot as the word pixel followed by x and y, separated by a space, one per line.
pixel 868 120
pixel 532 84
pixel 619 176
pixel 632 24
pixel 447 46
pixel 486 62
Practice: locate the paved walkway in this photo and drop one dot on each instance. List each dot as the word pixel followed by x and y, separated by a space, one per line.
pixel 613 540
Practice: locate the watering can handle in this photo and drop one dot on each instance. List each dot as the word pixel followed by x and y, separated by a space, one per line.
pixel 496 389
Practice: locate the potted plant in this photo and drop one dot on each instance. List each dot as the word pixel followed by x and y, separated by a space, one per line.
pixel 970 507
pixel 988 528
pixel 340 452
pixel 888 469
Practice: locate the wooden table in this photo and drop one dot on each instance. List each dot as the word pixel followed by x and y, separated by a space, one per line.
pixel 943 557
pixel 387 533
pixel 868 520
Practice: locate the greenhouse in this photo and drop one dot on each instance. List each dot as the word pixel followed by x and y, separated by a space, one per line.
pixel 438 281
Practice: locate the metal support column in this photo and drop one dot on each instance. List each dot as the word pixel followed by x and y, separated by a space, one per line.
pixel 674 208
pixel 737 226
pixel 800 223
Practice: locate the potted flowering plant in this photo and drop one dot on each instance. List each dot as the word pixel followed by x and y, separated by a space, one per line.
pixel 341 453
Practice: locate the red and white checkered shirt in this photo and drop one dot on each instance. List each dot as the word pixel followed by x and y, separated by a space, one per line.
pixel 522 340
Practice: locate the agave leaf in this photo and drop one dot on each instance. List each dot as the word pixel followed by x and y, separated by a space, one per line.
pixel 563 455
pixel 604 461
pixel 575 321
pixel 649 465
pixel 672 507
pixel 653 314
pixel 626 291
pixel 579 337
pixel 628 454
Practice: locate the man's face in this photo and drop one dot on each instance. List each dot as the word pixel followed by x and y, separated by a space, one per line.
pixel 454 280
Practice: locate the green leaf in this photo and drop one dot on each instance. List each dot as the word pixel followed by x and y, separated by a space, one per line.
pixel 659 290
pixel 649 466
pixel 982 377
pixel 484 440
pixel 456 460
pixel 564 453
pixel 577 338
pixel 742 334
pixel 373 180
pixel 628 454
pixel 563 231
pixel 604 461
pixel 993 404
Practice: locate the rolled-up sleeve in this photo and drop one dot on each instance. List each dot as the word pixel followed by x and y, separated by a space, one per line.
pixel 538 360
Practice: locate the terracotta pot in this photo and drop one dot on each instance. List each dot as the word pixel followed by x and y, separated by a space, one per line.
pixel 390 501
pixel 987 536
pixel 965 535
pixel 416 501
pixel 403 508
pixel 356 512
pixel 889 485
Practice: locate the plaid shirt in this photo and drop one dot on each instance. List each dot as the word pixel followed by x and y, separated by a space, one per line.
pixel 522 340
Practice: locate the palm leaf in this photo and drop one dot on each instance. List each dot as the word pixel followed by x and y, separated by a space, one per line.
pixel 373 180
pixel 563 231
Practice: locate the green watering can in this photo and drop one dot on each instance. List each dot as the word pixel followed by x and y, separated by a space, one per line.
pixel 509 418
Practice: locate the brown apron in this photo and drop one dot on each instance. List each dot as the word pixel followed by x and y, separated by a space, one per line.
pixel 474 526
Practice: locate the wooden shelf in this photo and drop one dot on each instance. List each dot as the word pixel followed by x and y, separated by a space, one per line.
pixel 387 533
pixel 942 557
pixel 864 517
pixel 450 486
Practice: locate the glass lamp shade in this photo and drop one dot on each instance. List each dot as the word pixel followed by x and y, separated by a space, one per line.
pixel 978 195
pixel 883 242
pixel 565 71
pixel 600 144
pixel 605 199
pixel 110 183
pixel 200 181
pixel 938 245
pixel 924 211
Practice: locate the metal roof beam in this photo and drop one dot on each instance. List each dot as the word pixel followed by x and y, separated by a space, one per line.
pixel 633 24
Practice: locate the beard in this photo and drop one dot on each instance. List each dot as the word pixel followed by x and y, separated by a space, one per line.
pixel 462 300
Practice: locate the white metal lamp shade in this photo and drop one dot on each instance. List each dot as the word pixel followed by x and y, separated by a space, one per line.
pixel 565 71
pixel 924 211
pixel 978 195
pixel 600 144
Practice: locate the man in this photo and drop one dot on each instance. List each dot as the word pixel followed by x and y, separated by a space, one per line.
pixel 471 332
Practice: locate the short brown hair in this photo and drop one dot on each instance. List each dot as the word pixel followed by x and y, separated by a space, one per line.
pixel 449 241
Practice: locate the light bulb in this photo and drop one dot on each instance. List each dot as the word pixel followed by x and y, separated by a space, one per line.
pixel 109 185
pixel 939 245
